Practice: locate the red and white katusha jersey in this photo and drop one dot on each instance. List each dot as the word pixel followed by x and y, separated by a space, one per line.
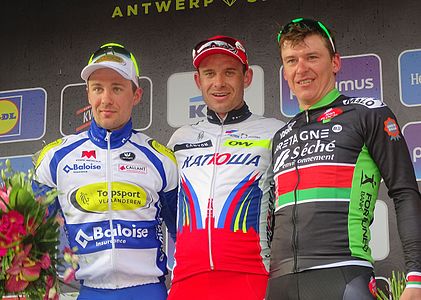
pixel 225 193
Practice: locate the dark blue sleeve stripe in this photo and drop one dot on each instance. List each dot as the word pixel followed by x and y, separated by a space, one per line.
pixel 155 161
pixel 60 154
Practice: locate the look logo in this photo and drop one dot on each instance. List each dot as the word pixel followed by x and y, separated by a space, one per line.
pixel 9 116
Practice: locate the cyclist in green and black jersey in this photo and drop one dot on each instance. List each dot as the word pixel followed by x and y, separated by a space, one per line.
pixel 328 162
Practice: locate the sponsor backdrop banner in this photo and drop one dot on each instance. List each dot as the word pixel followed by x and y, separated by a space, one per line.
pixel 410 77
pixel 21 163
pixel 411 131
pixel 22 115
pixel 46 52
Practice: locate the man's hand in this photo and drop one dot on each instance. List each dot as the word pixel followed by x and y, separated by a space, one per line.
pixel 411 294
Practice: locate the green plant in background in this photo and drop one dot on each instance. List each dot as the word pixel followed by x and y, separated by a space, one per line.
pixel 397 285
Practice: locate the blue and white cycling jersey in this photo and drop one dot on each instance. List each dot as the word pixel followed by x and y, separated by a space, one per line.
pixel 114 190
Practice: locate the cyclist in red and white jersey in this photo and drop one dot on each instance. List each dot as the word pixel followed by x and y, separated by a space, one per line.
pixel 224 205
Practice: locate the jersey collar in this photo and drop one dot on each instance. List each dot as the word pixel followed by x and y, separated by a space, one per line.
pixel 327 99
pixel 118 137
pixel 232 117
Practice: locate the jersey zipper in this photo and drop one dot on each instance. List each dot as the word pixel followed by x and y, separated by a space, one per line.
pixel 210 216
pixel 295 220
pixel 109 181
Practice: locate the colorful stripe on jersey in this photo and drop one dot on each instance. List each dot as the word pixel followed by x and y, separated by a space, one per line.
pixel 315 183
pixel 189 208
pixel 413 280
pixel 242 207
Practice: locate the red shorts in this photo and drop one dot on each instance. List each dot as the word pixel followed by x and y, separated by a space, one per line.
pixel 220 285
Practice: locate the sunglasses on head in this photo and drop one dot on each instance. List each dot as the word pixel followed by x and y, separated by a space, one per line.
pixel 113 49
pixel 224 42
pixel 307 24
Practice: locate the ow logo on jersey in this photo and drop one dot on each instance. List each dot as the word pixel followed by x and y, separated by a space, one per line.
pixel 221 159
pixel 247 143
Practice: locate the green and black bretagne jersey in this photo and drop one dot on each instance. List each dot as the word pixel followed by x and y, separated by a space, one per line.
pixel 328 162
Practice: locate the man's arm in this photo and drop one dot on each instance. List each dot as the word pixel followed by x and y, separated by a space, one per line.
pixel 411 294
pixel 168 196
pixel 169 210
pixel 42 173
pixel 388 148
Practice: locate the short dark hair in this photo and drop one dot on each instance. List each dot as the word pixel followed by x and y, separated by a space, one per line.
pixel 296 34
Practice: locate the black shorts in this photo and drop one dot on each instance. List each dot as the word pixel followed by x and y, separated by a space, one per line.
pixel 340 283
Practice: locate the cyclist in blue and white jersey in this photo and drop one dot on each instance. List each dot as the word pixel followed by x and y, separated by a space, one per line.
pixel 116 185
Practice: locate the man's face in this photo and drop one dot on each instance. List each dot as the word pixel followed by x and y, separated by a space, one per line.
pixel 112 98
pixel 222 81
pixel 309 69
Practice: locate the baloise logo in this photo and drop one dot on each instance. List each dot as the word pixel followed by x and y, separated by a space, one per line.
pixel 81 168
pixel 102 236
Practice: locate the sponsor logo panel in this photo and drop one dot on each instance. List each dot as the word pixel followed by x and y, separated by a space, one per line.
pixel 235 133
pixel 185 104
pixel 89 154
pixel 329 114
pixel 315 146
pixel 218 159
pixel 94 197
pixel 22 115
pixel 392 129
pixel 360 76
pixel 76 113
pixel 97 236
pixel 410 77
pixel 127 156
pixel 10 116
pixel 247 143
pixel 133 168
pixel 367 198
pixel 187 146
pixel 82 167
pixel 411 132
pixel 367 102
